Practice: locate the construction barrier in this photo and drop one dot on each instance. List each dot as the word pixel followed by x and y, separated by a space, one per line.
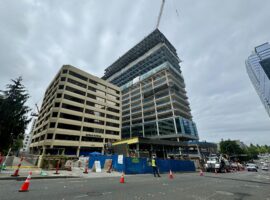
pixel 130 165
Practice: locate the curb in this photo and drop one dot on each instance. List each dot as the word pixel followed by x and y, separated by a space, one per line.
pixel 37 177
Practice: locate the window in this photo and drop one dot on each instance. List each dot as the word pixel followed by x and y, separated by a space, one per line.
pixel 54 114
pixel 76 83
pixel 95 130
pixel 91 96
pixel 112 117
pixel 137 131
pixel 89 103
pixel 166 127
pixel 64 71
pixel 92 89
pixel 52 125
pixel 67 137
pixel 112 124
pixel 92 81
pixel 126 132
pixel 60 87
pixel 75 99
pixel 150 129
pixel 49 136
pixel 112 132
pixel 71 117
pixel 113 110
pixel 75 91
pixel 94 121
pixel 59 95
pixel 78 75
pixel 92 139
pixel 63 78
pixel 70 107
pixel 69 126
pixel 91 112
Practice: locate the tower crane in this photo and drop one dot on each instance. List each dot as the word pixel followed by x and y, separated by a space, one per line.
pixel 35 114
pixel 160 13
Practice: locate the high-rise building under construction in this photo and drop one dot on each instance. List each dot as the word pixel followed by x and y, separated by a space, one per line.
pixel 154 99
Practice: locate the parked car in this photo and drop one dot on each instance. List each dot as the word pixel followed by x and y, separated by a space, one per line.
pixel 251 167
pixel 265 168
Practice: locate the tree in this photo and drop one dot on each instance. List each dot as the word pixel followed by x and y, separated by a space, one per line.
pixel 13 113
pixel 230 148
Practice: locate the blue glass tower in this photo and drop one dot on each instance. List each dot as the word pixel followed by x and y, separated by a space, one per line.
pixel 258 69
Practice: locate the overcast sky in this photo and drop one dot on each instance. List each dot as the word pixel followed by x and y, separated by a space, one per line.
pixel 212 37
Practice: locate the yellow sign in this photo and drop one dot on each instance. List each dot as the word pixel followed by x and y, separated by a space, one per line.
pixel 129 141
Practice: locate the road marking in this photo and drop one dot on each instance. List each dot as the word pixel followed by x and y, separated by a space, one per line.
pixel 225 193
pixel 163 193
pixel 105 193
pixel 77 181
pixel 81 196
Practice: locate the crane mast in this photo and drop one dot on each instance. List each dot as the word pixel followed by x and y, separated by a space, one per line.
pixel 160 13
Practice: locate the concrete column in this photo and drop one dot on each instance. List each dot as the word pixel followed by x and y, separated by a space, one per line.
pixel 155 105
pixel 172 108
pixel 138 149
pixel 78 151
pixel 142 109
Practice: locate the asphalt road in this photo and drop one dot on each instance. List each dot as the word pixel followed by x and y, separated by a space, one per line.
pixel 237 186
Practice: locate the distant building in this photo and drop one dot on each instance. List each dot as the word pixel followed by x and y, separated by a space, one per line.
pixel 80 113
pixel 258 69
pixel 28 137
pixel 154 99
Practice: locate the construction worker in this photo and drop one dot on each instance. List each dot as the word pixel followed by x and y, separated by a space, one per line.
pixel 154 166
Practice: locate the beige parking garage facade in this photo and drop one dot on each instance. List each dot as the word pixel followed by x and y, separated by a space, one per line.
pixel 80 113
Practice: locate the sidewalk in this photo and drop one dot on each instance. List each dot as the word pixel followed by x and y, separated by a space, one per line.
pixel 36 174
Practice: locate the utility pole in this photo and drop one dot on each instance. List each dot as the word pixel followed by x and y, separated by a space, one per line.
pixel 160 13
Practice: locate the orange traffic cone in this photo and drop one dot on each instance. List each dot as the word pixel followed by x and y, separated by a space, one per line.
pixel 201 172
pixel 122 179
pixel 26 184
pixel 170 175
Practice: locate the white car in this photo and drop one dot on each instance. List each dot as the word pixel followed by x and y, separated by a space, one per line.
pixel 265 168
pixel 252 167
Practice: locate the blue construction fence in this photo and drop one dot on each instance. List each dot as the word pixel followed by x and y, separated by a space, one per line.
pixel 143 165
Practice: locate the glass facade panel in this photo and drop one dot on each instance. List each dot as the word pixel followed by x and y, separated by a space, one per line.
pixel 150 129
pixel 126 132
pixel 166 127
pixel 178 125
pixel 137 131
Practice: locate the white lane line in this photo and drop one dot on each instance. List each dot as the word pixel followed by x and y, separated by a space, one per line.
pixel 225 193
pixel 105 193
pixel 81 196
pixel 76 181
